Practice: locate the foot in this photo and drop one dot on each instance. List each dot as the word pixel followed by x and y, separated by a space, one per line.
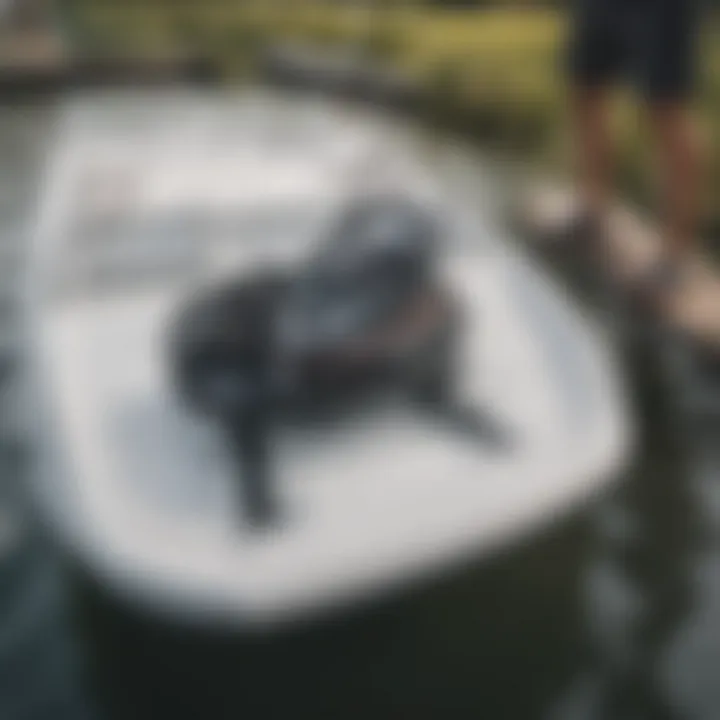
pixel 658 287
pixel 582 235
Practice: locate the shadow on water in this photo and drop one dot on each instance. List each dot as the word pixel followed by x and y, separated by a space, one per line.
pixel 498 640
pixel 643 587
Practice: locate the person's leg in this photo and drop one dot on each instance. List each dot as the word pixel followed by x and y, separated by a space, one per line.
pixel 596 57
pixel 679 162
pixel 593 148
pixel 667 46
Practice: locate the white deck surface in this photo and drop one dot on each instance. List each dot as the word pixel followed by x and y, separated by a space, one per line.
pixel 143 490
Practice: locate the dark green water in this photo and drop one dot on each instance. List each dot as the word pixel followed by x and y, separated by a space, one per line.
pixel 40 659
pixel 614 614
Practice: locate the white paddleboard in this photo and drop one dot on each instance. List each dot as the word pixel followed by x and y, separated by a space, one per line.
pixel 144 492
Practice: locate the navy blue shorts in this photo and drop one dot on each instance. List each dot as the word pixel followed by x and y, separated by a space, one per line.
pixel 650 43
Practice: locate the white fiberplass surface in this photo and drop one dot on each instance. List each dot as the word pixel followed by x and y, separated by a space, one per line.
pixel 145 492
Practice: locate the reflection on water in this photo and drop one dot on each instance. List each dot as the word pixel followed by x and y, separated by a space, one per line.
pixel 39 662
pixel 641 588
pixel 614 615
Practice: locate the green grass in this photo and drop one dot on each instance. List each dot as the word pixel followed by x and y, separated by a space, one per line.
pixel 494 74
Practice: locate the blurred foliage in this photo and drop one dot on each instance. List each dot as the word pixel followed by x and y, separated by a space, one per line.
pixel 492 68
